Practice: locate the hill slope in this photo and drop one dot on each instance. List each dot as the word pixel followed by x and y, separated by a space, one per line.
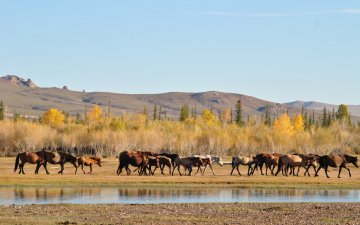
pixel 33 101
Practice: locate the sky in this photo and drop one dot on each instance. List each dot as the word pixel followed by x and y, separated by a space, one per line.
pixel 277 50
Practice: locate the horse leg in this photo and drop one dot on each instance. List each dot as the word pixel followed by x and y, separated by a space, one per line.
pixel 297 174
pixel 211 170
pixel 22 169
pixel 197 171
pixel 237 168
pixel 62 169
pixel 261 166
pixel 340 168
pixel 348 169
pixel 90 169
pixel 37 168
pixel 326 171
pixel 266 169
pixel 82 167
pixel 317 171
pixel 233 168
pixel 45 166
pixel 76 167
pixel 179 170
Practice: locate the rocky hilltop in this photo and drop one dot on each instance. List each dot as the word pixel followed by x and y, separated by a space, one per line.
pixel 18 81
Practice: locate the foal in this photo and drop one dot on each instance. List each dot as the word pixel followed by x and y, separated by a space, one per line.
pixel 88 161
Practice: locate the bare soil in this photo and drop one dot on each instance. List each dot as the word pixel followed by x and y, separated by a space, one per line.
pixel 244 213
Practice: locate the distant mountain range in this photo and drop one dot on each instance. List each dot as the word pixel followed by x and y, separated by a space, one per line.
pixel 26 98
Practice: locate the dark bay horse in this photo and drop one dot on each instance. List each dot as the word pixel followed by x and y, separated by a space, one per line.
pixel 60 158
pixel 336 161
pixel 136 159
pixel 32 158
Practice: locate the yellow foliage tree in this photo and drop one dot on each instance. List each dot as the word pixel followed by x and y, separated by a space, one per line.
pixel 208 116
pixel 53 117
pixel 299 123
pixel 283 125
pixel 95 114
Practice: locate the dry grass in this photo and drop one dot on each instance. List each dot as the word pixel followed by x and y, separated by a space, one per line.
pixel 110 136
pixel 106 176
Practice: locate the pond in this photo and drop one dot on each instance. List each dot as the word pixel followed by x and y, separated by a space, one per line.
pixel 154 195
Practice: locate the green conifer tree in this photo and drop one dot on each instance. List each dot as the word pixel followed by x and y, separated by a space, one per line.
pixel 184 113
pixel 2 110
pixel 238 113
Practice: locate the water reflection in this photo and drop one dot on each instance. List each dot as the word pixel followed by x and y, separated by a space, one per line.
pixel 134 195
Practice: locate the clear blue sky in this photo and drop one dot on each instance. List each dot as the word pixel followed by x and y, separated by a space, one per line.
pixel 276 50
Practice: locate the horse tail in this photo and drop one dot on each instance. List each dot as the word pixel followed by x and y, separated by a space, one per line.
pixel 17 162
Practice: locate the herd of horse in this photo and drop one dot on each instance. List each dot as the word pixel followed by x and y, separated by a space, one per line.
pixel 146 162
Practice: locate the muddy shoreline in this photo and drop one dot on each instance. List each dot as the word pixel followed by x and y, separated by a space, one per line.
pixel 234 213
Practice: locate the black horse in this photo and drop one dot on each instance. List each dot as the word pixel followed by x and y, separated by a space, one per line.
pixel 60 158
pixel 336 161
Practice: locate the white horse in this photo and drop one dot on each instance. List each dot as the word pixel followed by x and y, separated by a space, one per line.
pixel 213 159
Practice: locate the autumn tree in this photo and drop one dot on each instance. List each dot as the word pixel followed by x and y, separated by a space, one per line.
pixel 95 114
pixel 208 116
pixel 184 113
pixel 226 116
pixel 53 117
pixel 299 125
pixel 283 125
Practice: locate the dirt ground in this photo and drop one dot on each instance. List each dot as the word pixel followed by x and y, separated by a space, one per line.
pixel 244 213
pixel 106 176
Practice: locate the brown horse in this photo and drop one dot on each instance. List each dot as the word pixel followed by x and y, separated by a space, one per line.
pixel 163 161
pixel 60 158
pixel 188 163
pixel 32 158
pixel 270 161
pixel 152 161
pixel 336 161
pixel 88 161
pixel 136 159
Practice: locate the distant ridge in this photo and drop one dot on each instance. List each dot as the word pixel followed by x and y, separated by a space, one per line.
pixel 26 98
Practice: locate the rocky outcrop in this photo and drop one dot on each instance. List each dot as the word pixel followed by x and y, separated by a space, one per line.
pixel 18 81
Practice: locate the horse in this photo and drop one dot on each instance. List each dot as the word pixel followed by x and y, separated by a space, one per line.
pixel 311 160
pixel 336 161
pixel 163 161
pixel 88 161
pixel 152 161
pixel 270 161
pixel 60 158
pixel 135 159
pixel 213 159
pixel 261 160
pixel 203 162
pixel 243 160
pixel 187 163
pixel 170 156
pixel 32 158
pixel 291 161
